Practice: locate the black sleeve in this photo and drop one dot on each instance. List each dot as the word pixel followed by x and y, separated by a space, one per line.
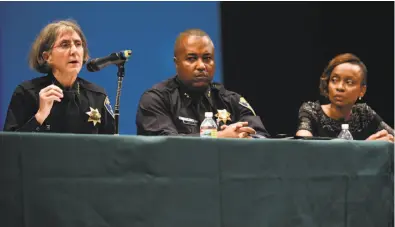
pixel 20 114
pixel 306 118
pixel 379 121
pixel 385 126
pixel 108 124
pixel 153 116
pixel 246 113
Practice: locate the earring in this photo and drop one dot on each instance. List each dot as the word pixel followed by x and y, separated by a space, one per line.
pixel 360 98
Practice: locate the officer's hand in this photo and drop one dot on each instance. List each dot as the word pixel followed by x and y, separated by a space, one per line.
pixel 48 95
pixel 382 135
pixel 246 130
pixel 236 130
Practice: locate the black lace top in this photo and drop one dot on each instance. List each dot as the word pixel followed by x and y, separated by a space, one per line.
pixel 364 121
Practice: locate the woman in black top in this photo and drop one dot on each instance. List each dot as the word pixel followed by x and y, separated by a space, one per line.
pixel 343 82
pixel 60 101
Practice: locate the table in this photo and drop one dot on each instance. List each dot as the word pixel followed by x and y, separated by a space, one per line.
pixel 103 180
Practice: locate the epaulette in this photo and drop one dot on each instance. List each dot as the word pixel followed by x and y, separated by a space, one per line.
pixel 42 81
pixel 91 86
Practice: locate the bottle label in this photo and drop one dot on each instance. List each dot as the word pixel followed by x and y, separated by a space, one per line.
pixel 209 133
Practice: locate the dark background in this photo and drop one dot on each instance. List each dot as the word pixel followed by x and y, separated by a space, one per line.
pixel 275 52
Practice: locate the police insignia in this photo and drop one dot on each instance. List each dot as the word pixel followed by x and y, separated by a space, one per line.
pixel 108 106
pixel 223 115
pixel 244 103
pixel 94 116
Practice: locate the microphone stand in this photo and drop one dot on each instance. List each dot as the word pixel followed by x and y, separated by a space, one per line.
pixel 120 74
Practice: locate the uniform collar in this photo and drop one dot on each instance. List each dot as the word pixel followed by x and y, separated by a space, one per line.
pixel 189 96
pixel 74 88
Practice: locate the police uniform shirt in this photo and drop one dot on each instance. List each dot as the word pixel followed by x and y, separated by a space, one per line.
pixel 84 108
pixel 168 108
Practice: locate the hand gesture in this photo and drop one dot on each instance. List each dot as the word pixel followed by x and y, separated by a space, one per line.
pixel 47 96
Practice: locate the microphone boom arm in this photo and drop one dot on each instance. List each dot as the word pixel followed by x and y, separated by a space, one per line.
pixel 97 64
pixel 119 60
pixel 120 74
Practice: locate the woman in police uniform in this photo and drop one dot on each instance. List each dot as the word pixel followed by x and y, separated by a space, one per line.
pixel 59 101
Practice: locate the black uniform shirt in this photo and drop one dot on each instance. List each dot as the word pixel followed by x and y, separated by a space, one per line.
pixel 168 108
pixel 84 108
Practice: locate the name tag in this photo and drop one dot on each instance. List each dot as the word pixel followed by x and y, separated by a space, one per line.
pixel 188 121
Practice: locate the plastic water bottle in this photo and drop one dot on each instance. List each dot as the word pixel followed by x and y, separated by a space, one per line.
pixel 208 128
pixel 345 133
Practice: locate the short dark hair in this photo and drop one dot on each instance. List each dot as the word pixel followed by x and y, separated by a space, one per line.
pixel 46 39
pixel 340 59
pixel 190 32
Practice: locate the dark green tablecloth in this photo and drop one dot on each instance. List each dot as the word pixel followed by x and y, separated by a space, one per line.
pixel 122 181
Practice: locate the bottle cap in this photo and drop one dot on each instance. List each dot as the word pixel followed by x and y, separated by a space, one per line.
pixel 208 114
pixel 345 126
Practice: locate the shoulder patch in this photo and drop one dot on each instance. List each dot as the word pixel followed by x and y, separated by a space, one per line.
pixel 244 103
pixel 108 106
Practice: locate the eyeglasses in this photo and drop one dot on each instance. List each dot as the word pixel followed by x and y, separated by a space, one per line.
pixel 66 45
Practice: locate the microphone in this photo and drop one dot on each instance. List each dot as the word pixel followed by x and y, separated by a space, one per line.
pixel 97 64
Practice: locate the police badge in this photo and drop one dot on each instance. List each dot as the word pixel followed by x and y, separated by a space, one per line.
pixel 223 115
pixel 244 103
pixel 94 116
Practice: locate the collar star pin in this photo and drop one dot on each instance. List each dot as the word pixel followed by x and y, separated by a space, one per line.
pixel 94 116
pixel 223 115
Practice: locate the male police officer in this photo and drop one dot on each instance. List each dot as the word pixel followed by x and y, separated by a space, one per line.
pixel 177 105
